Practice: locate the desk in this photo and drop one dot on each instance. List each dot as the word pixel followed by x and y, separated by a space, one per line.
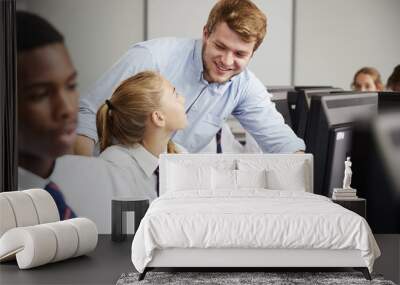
pixel 104 265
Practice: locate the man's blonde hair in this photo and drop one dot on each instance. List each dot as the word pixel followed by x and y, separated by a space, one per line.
pixel 241 16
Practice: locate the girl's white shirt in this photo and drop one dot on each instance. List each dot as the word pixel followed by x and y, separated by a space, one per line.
pixel 90 183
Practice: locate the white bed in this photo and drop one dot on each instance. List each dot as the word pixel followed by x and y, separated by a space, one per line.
pixel 238 211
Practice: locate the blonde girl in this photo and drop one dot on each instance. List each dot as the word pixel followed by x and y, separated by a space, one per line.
pixel 135 126
pixel 367 79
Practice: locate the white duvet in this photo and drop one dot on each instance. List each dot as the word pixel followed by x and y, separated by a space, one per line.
pixel 252 218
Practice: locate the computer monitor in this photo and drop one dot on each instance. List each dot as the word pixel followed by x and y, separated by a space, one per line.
pixel 299 104
pixel 328 130
pixel 376 164
pixel 339 148
pixel 279 97
pixel 388 101
pixel 303 106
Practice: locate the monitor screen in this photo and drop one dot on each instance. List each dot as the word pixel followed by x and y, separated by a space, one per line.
pixel 339 148
pixel 327 115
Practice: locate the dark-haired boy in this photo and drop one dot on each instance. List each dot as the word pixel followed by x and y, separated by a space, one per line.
pixel 47 105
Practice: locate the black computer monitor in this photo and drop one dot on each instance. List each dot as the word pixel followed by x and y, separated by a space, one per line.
pixel 375 166
pixel 388 101
pixel 329 124
pixel 303 106
pixel 339 148
pixel 298 104
pixel 279 97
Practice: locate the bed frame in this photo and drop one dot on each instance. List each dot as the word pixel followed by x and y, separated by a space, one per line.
pixel 248 259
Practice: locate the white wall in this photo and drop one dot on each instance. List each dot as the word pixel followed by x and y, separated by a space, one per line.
pixel 272 62
pixel 335 38
pixel 177 18
pixel 97 32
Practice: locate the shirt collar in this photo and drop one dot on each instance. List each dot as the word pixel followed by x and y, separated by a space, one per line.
pixel 27 180
pixel 198 58
pixel 147 161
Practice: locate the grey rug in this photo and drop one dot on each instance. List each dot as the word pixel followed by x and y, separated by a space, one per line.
pixel 229 278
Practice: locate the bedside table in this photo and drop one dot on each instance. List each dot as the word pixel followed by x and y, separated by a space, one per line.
pixel 119 207
pixel 358 206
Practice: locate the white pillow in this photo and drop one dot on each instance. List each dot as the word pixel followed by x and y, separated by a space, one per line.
pixel 282 173
pixel 224 179
pixel 295 180
pixel 188 177
pixel 251 178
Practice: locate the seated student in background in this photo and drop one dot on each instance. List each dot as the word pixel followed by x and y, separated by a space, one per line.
pixel 47 105
pixel 393 82
pixel 367 79
pixel 134 127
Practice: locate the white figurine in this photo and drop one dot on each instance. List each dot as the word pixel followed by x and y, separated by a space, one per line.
pixel 347 174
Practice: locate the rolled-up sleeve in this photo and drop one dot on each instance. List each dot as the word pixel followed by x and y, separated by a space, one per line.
pixel 137 59
pixel 259 117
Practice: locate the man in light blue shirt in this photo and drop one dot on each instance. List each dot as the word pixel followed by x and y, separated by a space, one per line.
pixel 213 76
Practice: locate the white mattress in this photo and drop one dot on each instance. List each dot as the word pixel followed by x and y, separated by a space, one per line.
pixel 252 218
